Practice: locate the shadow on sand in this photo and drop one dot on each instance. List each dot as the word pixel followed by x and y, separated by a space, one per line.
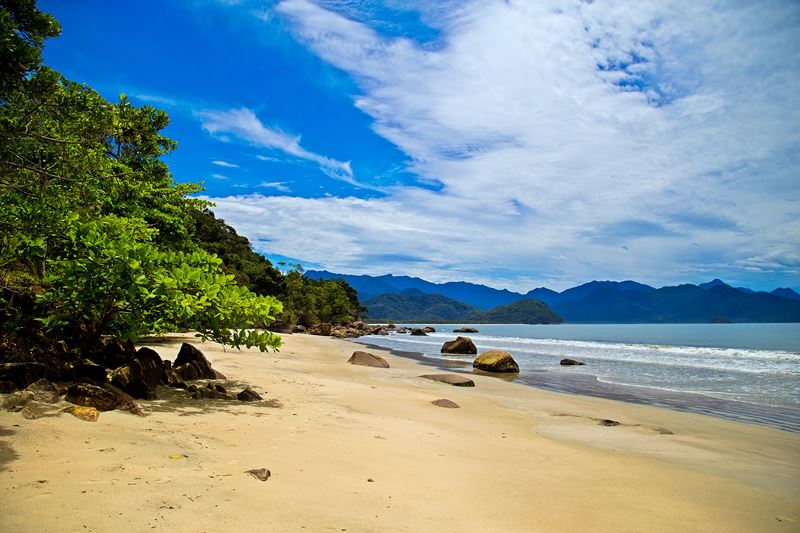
pixel 7 453
pixel 181 402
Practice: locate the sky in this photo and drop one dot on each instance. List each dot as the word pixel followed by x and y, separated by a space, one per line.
pixel 513 143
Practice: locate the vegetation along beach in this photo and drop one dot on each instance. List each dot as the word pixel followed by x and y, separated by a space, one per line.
pixel 399 266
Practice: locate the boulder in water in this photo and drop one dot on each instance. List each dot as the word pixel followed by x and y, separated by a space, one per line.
pixel 496 361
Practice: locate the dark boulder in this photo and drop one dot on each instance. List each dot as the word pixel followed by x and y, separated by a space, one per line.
pixel 170 378
pixel 88 371
pixel 280 327
pixel 462 345
pixel 43 391
pixel 115 354
pixel 87 395
pixel 249 395
pixel 570 362
pixel 141 376
pixel 390 326
pixel 189 355
pixel 465 330
pixel 429 329
pixel 22 374
pixel 496 361
pixel 451 379
pixel 320 329
pixel 299 329
pixel 444 402
pixel 367 359
pixel 210 392
pixel 418 332
pixel 380 331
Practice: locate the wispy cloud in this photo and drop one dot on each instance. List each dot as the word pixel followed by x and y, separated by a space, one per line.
pixel 244 124
pixel 219 177
pixel 277 185
pixel 561 130
pixel 225 164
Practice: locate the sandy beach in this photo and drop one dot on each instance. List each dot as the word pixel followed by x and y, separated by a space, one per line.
pixel 354 448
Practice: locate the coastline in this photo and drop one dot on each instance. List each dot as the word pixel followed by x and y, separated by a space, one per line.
pixel 586 384
pixel 512 458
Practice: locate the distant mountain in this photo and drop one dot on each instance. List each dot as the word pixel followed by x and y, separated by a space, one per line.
pixel 368 287
pixel 683 303
pixel 596 301
pixel 786 292
pixel 412 305
pixel 528 311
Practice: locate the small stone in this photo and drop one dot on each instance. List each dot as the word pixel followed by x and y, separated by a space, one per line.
pixel 444 402
pixel 451 379
pixel 370 480
pixel 367 359
pixel 570 362
pixel 249 395
pixel 607 422
pixel 262 474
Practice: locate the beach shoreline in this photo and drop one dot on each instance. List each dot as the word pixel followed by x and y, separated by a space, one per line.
pixel 363 449
pixel 585 383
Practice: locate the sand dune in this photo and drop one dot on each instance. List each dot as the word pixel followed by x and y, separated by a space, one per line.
pixel 363 449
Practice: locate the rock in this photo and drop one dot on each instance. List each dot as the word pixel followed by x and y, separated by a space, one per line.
pixel 87 395
pixel 451 379
pixel 249 395
pixel 187 372
pixel 444 402
pixel 210 392
pixel 367 359
pixel 140 376
pixel 220 388
pixel 86 370
pixel 170 378
pixel 465 330
pixel 115 354
pixel 189 355
pixel 89 414
pixel 43 391
pixel 429 329
pixel 496 361
pixel 280 327
pixel 7 387
pixel 402 330
pixel 391 326
pixel 126 402
pixel 570 362
pixel 608 422
pixel 262 474
pixel 22 374
pixel 418 332
pixel 381 331
pixel 17 400
pixel 29 413
pixel 299 329
pixel 320 329
pixel 462 345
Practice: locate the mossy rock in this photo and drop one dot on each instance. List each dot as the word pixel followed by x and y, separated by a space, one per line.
pixel 496 361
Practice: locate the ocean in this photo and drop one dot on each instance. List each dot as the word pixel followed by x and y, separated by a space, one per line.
pixel 745 372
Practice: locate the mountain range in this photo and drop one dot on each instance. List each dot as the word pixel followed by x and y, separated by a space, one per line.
pixel 600 301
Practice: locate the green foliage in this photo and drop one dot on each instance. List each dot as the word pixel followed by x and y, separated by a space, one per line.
pixel 112 280
pixel 308 301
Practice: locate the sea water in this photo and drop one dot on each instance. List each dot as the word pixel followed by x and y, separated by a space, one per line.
pixel 747 372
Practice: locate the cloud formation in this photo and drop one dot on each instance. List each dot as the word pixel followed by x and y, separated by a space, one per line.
pixel 571 140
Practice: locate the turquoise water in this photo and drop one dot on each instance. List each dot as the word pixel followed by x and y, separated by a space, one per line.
pixel 711 368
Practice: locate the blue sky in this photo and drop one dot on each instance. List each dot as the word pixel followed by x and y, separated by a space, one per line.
pixel 513 143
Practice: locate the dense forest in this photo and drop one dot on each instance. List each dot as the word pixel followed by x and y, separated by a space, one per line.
pixel 99 243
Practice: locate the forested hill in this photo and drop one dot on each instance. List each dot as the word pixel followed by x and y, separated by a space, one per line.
pixel 412 305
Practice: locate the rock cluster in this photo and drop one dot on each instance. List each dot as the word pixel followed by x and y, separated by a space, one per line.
pixel 465 330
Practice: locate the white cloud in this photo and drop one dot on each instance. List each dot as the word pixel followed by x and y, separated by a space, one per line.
pixel 243 124
pixel 219 177
pixel 277 185
pixel 225 164
pixel 682 146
